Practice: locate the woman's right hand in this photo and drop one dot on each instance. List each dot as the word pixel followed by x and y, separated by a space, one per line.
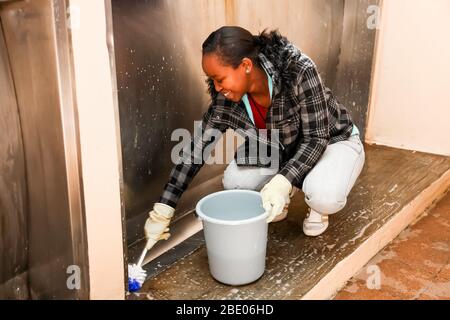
pixel 157 225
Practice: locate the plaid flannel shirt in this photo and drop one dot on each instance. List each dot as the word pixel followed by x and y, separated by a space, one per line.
pixel 307 116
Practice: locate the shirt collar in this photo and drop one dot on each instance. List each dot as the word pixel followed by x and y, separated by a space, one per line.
pixel 272 77
pixel 272 72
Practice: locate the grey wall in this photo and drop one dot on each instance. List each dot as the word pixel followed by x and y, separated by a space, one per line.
pixel 161 83
pixel 41 210
pixel 13 190
pixel 353 68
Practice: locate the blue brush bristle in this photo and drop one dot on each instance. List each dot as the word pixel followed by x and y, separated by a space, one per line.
pixel 133 285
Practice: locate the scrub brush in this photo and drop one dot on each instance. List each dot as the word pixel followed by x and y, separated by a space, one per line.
pixel 136 274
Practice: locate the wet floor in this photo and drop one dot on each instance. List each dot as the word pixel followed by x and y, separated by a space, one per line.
pixel 295 263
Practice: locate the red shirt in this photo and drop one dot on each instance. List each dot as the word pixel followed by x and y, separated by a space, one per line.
pixel 259 113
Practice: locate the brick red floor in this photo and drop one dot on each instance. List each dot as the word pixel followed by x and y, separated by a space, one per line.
pixel 416 265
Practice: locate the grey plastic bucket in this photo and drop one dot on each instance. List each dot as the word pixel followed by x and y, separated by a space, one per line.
pixel 235 228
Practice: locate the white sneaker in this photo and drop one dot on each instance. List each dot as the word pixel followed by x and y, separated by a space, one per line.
pixel 315 223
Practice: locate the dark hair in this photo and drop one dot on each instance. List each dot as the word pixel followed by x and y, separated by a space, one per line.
pixel 232 44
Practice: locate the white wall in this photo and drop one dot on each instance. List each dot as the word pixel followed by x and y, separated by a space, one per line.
pixel 410 101
pixel 99 144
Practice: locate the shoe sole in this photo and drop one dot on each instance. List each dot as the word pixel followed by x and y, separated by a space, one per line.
pixel 314 233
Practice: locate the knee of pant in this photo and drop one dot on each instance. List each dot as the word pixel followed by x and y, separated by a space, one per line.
pixel 228 183
pixel 236 180
pixel 325 203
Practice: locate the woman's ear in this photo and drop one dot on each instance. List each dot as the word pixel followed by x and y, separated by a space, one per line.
pixel 247 64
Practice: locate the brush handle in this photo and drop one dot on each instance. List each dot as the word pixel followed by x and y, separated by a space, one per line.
pixel 148 246
pixel 141 259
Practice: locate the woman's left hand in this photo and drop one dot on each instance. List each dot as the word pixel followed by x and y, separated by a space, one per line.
pixel 275 195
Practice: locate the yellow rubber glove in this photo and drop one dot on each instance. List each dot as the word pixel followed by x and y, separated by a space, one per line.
pixel 275 195
pixel 157 225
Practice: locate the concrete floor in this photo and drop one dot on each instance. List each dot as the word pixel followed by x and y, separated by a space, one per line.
pixel 295 263
pixel 416 265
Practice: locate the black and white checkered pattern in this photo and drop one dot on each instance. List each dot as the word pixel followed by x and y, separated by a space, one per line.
pixel 307 116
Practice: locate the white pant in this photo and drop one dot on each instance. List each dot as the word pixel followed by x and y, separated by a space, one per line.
pixel 326 185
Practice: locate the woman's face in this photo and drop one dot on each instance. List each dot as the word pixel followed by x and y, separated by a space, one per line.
pixel 233 83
